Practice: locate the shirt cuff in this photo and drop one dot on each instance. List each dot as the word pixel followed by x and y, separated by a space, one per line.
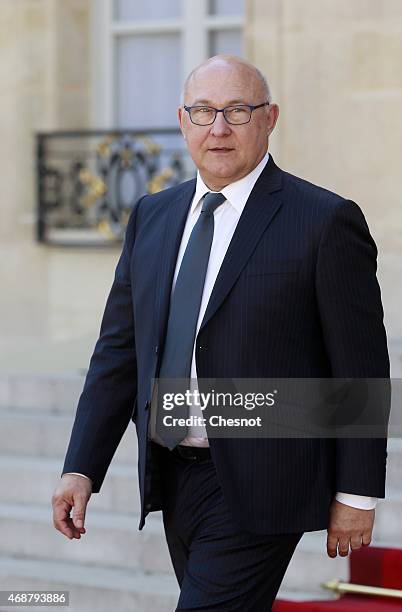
pixel 78 474
pixel 362 502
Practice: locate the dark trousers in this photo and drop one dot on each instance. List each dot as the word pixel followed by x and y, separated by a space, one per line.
pixel 218 565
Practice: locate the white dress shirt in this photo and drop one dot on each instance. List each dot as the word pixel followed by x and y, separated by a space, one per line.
pixel 226 217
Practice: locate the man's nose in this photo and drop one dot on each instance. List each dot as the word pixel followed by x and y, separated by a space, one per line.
pixel 220 126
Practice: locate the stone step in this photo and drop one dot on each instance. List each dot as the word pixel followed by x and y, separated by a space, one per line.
pixel 91 588
pixel 104 589
pixel 394 463
pixel 56 393
pixel 18 471
pixel 310 566
pixel 120 494
pixel 36 401
pixel 112 539
pixel 388 519
pixel 28 480
pixel 43 434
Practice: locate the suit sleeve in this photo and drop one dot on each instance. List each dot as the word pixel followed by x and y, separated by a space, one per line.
pixel 349 302
pixel 107 402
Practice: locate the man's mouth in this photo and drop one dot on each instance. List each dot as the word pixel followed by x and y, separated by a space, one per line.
pixel 221 150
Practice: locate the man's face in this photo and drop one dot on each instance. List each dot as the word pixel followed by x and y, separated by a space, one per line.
pixel 223 152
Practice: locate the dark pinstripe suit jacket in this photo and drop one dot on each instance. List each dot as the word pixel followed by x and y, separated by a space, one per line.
pixel 296 296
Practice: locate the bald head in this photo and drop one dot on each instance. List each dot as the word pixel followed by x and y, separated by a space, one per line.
pixel 227 64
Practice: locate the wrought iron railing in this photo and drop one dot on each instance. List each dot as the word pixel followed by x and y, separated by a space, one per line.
pixel 88 181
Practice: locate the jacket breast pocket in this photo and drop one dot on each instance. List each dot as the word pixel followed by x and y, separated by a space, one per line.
pixel 278 266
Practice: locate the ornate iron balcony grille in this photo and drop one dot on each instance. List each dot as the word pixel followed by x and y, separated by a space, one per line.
pixel 88 181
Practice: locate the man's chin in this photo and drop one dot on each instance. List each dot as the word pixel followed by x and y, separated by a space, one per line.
pixel 222 171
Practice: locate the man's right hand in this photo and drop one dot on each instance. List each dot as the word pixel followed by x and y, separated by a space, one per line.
pixel 73 492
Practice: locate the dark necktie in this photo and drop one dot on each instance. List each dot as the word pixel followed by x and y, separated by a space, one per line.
pixel 183 315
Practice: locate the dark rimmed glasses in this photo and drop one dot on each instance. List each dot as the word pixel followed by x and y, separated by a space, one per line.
pixel 235 114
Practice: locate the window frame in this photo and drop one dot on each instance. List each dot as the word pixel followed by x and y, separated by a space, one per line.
pixel 105 31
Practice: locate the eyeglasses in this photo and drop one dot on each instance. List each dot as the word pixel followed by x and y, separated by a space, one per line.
pixel 237 114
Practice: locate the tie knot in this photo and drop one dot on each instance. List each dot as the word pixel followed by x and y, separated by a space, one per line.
pixel 211 202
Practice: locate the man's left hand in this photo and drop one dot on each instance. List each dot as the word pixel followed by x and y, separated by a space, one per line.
pixel 348 527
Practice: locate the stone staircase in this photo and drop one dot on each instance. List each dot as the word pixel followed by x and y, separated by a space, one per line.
pixel 115 566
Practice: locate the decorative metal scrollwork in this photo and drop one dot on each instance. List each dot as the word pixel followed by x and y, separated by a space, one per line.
pixel 88 182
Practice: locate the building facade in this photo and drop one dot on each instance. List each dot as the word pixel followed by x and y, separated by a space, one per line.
pixel 335 69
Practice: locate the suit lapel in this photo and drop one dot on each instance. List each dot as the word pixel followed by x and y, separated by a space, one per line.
pixel 258 213
pixel 170 244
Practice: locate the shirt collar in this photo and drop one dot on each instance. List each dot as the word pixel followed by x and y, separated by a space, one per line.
pixel 236 193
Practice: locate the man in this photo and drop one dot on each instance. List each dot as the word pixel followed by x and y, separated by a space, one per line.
pixel 270 277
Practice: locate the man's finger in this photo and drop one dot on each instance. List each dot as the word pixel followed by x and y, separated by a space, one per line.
pixel 66 526
pixel 61 517
pixel 332 543
pixel 343 546
pixel 356 542
pixel 80 505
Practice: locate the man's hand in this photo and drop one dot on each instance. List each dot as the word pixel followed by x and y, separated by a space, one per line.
pixel 348 527
pixel 72 492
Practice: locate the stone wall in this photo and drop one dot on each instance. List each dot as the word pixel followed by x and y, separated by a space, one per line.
pixel 336 72
pixel 52 299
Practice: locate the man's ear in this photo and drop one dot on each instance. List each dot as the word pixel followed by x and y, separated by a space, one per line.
pixel 180 117
pixel 273 117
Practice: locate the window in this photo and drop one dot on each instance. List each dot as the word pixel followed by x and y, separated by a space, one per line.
pixel 147 79
pixel 144 9
pixel 142 52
